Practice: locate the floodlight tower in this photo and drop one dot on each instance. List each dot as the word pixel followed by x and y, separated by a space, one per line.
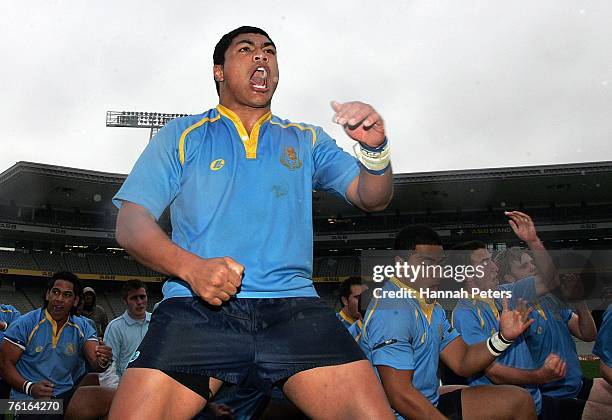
pixel 152 120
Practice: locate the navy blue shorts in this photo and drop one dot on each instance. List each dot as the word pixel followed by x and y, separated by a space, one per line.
pixel 256 343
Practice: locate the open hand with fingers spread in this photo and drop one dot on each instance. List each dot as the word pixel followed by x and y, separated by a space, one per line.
pixel 214 279
pixel 512 322
pixel 361 122
pixel 523 226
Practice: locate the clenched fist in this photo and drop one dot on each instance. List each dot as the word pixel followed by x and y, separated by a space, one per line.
pixel 215 279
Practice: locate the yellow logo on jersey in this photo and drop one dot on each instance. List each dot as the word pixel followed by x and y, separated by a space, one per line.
pixel 290 160
pixel 38 349
pixel 217 164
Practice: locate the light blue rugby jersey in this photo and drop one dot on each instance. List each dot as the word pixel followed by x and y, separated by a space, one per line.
pixel 603 345
pixel 407 334
pixel 49 353
pixel 477 320
pixel 550 334
pixel 245 197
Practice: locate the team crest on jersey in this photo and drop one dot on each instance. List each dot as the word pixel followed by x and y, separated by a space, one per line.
pixel 539 330
pixel 290 160
pixel 70 349
pixel 38 349
pixel 217 164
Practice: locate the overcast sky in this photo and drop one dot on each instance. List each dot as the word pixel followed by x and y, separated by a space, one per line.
pixel 461 84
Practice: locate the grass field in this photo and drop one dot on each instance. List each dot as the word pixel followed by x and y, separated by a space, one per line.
pixel 590 368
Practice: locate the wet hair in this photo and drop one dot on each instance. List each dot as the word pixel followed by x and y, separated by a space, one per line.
pixel 411 236
pixel 226 40
pixel 504 260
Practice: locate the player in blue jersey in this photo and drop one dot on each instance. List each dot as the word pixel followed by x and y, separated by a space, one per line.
pixel 603 346
pixel 240 306
pixel 476 319
pixel 8 314
pixel 600 399
pixel 405 334
pixel 42 349
pixel 349 294
pixel 555 321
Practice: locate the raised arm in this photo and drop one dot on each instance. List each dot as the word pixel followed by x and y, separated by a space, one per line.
pixel 214 279
pixel 525 230
pixel 554 368
pixel 372 189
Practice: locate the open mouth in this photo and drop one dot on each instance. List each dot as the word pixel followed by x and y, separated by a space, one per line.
pixel 259 78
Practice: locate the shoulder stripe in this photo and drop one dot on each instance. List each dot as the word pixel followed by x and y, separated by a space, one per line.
pixel 181 146
pixel 72 324
pixel 35 329
pixel 301 127
pixel 17 344
pixel 367 320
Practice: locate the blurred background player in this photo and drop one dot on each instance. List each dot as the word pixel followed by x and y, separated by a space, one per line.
pixel 124 334
pixel 478 318
pixel 93 311
pixel 404 338
pixel 349 295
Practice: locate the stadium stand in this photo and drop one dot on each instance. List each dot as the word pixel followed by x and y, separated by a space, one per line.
pixel 47 261
pixel 77 263
pixel 17 259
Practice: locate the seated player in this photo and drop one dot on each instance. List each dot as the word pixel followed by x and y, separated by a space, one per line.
pixel 554 321
pixel 404 336
pixel 8 314
pixel 601 394
pixel 42 349
pixel 478 318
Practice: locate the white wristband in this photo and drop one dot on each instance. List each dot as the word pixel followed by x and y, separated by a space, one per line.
pixel 497 344
pixel 376 160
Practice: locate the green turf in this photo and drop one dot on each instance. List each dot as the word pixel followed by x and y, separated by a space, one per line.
pixel 590 368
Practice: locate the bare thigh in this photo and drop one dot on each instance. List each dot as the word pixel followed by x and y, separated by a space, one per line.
pixel 599 404
pixel 151 394
pixel 348 391
pixel 497 402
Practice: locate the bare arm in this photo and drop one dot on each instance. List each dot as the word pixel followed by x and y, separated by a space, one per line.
pixel 582 324
pixel 554 368
pixel 606 371
pixel 213 279
pixel 9 356
pixel 371 192
pixel 404 397
pixel 98 355
pixel 525 230
pixel 467 360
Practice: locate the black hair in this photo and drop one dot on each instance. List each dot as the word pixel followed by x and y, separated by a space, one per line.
pixel 130 285
pixel 462 252
pixel 226 40
pixel 77 286
pixel 411 236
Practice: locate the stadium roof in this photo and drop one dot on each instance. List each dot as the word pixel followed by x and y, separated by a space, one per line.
pixel 40 185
